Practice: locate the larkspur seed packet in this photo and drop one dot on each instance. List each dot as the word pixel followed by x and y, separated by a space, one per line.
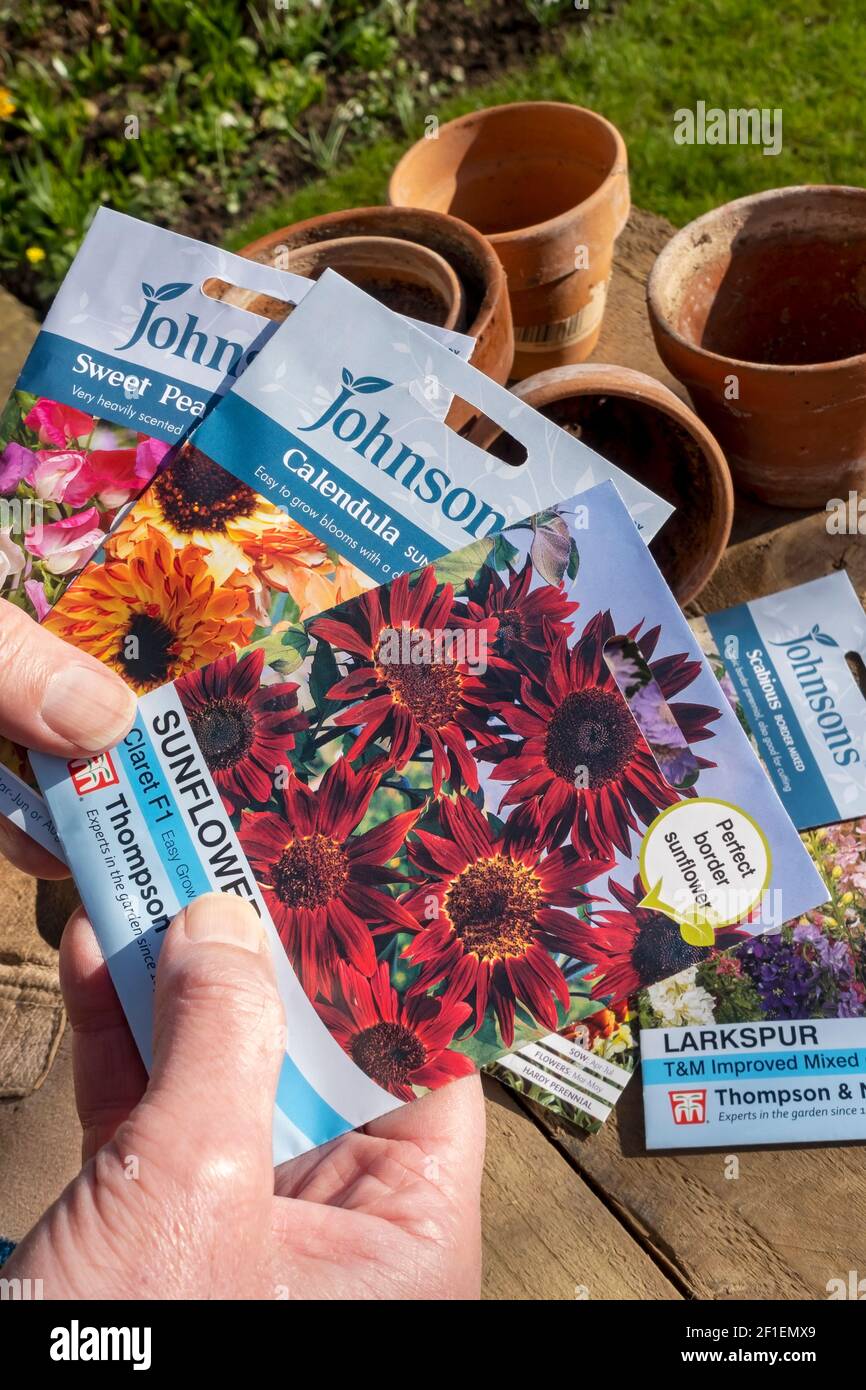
pixel 143 337
pixel 766 1043
pixel 446 820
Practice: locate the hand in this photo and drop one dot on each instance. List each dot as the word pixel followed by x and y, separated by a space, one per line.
pixel 178 1197
pixel 57 700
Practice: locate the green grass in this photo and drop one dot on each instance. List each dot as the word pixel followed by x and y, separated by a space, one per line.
pixel 212 87
pixel 223 88
pixel 640 64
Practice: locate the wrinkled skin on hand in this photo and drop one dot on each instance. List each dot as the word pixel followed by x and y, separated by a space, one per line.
pixel 178 1198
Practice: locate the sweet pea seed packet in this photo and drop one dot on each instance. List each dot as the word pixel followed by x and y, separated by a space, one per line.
pixel 131 354
pixel 448 818
pixel 767 1043
pixel 135 349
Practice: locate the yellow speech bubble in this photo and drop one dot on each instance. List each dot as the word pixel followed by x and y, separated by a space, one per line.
pixel 704 863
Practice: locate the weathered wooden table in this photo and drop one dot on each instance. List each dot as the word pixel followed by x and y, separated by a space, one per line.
pixel 568 1217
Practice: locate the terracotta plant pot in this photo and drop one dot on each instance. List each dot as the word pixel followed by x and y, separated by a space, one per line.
pixel 547 183
pixel 635 422
pixel 759 308
pixel 486 313
pixel 409 278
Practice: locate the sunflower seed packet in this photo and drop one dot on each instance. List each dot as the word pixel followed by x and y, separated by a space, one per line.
pixel 445 819
pixel 145 334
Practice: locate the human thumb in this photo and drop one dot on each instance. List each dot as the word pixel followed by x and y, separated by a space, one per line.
pixel 219 1040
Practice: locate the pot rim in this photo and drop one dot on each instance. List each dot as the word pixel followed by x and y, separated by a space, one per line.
pixel 618 169
pixel 448 284
pixel 492 269
pixel 587 378
pixel 661 267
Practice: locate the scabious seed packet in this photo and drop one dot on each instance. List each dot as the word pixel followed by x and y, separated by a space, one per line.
pixel 145 334
pixel 448 820
pixel 767 1043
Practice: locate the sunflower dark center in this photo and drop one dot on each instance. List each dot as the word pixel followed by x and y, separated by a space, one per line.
pixel 195 494
pixel 660 950
pixel 592 730
pixel 388 1052
pixel 147 648
pixel 224 729
pixel 311 871
pixel 511 628
pixel 492 905
pixel 429 690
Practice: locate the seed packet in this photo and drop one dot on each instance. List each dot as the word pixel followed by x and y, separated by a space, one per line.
pixel 129 357
pixel 580 1073
pixel 143 336
pixel 786 660
pixel 767 1043
pixel 328 469
pixel 441 817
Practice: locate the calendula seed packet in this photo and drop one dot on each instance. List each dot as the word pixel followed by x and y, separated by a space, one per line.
pixel 766 1044
pixel 328 469
pixel 145 334
pixel 446 819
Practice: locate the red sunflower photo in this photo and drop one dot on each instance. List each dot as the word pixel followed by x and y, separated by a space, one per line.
pixel 414 705
pixel 325 886
pixel 402 1044
pixel 578 751
pixel 505 909
pixel 529 619
pixel 632 946
pixel 243 728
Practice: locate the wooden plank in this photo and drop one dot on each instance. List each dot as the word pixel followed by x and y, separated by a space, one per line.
pixel 546 1234
pixel 790 1221
pixel 801 551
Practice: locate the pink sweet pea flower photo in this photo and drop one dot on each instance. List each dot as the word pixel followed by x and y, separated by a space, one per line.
pixel 66 545
pixel 35 591
pixel 60 425
pixel 17 463
pixel 12 559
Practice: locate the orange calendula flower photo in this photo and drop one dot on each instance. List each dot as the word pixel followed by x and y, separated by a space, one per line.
pixel 153 616
pixel 244 538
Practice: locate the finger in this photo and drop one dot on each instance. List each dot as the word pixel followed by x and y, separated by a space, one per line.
pixel 109 1074
pixel 26 854
pixel 219 1040
pixel 54 698
pixel 451 1117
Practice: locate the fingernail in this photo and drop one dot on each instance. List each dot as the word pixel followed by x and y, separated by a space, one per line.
pixel 89 706
pixel 223 918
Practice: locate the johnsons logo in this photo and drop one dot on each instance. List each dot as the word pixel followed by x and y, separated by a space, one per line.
pixel 805 665
pixel 373 442
pixel 189 342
